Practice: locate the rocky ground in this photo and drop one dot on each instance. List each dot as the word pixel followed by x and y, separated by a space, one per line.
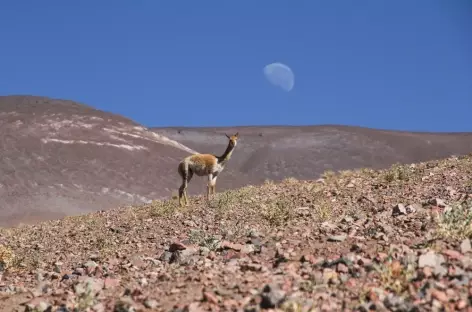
pixel 383 240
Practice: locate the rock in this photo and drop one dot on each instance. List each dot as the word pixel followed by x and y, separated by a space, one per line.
pixel 210 297
pixel 79 271
pixel 37 305
pixel 438 202
pixel 184 257
pixel 111 282
pixel 247 249
pixel 233 246
pixel 151 303
pixel 90 267
pixel 204 251
pixel 272 297
pixel 466 246
pixel 342 268
pixel 396 303
pixel 337 238
pixel 166 256
pixel 58 267
pixel 124 304
pixel 176 246
pixel 430 259
pixel 453 254
pixel 399 209
pixel 348 219
pixel 99 307
pixel 413 208
pixel 439 295
pixel 461 304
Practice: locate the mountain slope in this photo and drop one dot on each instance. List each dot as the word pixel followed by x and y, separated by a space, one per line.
pixel 305 152
pixel 60 158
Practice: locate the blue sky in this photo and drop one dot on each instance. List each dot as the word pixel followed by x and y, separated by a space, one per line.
pixel 385 64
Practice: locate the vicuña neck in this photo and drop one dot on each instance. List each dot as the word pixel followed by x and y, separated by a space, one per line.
pixel 227 154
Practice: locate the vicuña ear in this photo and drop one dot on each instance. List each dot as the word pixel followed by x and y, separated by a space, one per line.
pixel 237 134
pixel 227 136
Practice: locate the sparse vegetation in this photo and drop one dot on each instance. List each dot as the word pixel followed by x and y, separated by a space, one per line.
pixel 456 221
pixel 357 239
pixel 7 258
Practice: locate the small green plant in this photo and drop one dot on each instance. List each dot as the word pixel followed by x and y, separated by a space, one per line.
pixel 277 213
pixel 395 277
pixel 6 258
pixel 290 180
pixel 456 222
pixel 203 240
pixel 163 208
pixel 397 172
pixel 328 175
pixel 86 297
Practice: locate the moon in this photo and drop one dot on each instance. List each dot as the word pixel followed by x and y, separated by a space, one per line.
pixel 280 75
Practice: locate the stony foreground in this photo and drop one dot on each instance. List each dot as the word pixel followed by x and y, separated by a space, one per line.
pixel 391 240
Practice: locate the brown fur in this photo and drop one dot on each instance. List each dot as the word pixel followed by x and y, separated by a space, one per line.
pixel 204 165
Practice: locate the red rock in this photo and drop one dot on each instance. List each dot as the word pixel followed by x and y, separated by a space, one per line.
pixel 233 246
pixel 211 255
pixel 208 296
pixel 351 283
pixel 453 254
pixel 461 304
pixel 176 245
pixel 381 257
pixel 364 261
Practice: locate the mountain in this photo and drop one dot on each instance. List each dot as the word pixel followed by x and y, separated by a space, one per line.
pixel 61 158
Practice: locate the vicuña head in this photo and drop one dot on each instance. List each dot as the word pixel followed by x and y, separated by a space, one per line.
pixel 204 165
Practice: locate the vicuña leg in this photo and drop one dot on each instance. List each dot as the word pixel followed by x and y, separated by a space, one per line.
pixel 213 184
pixel 186 175
pixel 189 177
pixel 210 178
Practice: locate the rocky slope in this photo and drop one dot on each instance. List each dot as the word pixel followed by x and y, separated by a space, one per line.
pixel 384 240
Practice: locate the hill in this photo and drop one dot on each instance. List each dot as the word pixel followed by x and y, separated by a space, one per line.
pixel 304 152
pixel 63 158
pixel 387 240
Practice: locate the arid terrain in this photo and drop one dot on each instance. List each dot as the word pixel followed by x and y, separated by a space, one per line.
pixel 61 158
pixel 396 239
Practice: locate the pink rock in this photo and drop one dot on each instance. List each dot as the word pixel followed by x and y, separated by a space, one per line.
pixel 453 254
pixel 439 295
pixel 111 282
pixel 210 297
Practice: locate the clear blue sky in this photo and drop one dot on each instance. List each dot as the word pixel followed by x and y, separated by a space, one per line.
pixel 399 64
